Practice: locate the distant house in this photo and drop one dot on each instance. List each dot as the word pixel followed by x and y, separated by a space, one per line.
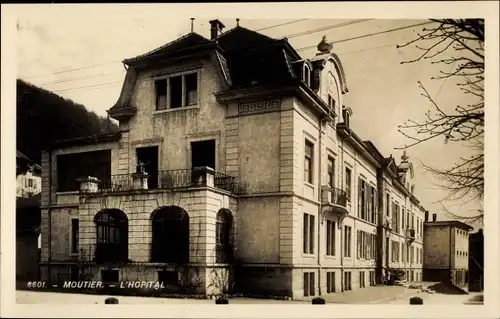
pixel 28 176
pixel 446 251
pixel 28 216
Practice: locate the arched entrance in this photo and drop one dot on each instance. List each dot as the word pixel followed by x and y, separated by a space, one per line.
pixel 170 240
pixel 112 236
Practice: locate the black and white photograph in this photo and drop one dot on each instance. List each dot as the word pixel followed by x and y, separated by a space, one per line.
pixel 178 157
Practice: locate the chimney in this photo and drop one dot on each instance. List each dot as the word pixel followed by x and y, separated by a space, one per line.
pixel 434 217
pixel 426 216
pixel 215 28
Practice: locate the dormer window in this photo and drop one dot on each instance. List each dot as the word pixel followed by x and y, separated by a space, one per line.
pixel 345 115
pixel 177 91
pixel 306 75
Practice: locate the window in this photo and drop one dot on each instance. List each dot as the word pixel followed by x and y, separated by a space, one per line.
pixel 309 224
pixel 331 172
pixel 30 182
pixel 330 282
pixel 309 284
pixel 74 235
pixel 345 115
pixel 112 236
pixel 348 182
pixel 177 91
pixel 332 103
pixel 362 199
pixel 361 279
pixel 306 76
pixel 224 250
pixel 347 241
pixel 412 221
pixel 388 205
pixel 347 281
pixel 373 205
pixel 330 238
pixel 191 82
pixel 161 94
pixel 403 250
pixel 403 221
pixel 395 251
pixel 365 245
pixel 170 235
pixel 372 278
pixel 308 162
pixel 203 154
pixel 407 218
pixel 70 167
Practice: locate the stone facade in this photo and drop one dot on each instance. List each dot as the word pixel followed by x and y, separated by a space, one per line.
pixel 260 141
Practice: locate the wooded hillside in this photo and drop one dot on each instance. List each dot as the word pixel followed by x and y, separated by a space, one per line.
pixel 43 117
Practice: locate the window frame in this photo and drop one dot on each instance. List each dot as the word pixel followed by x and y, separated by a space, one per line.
pixel 184 92
pixel 331 171
pixel 347 241
pixel 348 183
pixel 330 238
pixel 75 235
pixel 308 233
pixel 308 161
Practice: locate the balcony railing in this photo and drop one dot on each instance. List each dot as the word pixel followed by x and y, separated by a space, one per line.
pixel 336 196
pixel 171 179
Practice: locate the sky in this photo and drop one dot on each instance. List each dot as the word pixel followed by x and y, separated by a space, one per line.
pixel 77 54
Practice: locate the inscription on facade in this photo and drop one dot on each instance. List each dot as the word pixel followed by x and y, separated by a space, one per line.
pixel 260 106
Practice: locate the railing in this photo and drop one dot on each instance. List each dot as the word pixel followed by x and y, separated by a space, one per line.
pixel 335 196
pixel 171 179
pixel 116 183
pixel 176 178
pixel 224 181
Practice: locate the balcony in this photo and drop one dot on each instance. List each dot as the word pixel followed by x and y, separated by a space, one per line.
pixel 334 199
pixel 167 180
pixel 410 234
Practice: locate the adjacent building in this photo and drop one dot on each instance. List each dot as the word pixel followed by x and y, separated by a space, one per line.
pixel 234 159
pixel 446 251
pixel 476 261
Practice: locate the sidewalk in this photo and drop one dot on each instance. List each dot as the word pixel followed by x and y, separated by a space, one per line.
pixel 371 295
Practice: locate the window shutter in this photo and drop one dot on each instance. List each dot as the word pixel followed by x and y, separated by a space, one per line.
pixel 375 206
pixel 360 200
pixel 358 246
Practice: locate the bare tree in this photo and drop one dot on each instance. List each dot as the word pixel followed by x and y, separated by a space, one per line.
pixel 457 45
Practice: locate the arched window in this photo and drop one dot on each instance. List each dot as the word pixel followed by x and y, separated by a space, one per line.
pixel 223 245
pixel 306 75
pixel 170 230
pixel 112 236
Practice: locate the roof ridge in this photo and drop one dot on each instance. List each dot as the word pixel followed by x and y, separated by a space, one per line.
pixel 165 45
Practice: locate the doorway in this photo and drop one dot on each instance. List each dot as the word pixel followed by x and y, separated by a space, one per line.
pixel 203 154
pixel 147 157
